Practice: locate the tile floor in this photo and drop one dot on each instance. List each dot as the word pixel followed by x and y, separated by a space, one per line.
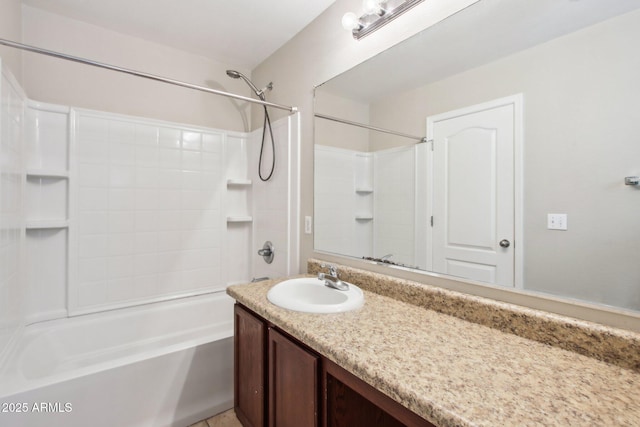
pixel 225 419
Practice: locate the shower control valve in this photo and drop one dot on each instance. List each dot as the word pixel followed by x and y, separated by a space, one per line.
pixel 267 252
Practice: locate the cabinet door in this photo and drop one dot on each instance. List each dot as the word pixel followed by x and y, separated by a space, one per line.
pixel 293 384
pixel 250 364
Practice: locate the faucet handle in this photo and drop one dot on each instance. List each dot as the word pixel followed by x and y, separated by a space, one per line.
pixel 333 270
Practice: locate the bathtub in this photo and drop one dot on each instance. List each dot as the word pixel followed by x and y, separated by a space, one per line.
pixel 156 365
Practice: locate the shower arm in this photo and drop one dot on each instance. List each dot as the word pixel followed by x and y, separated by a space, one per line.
pixel 143 75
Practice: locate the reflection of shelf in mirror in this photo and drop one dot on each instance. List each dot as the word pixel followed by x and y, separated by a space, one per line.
pixel 364 217
pixel 364 190
pixel 238 182
pixel 45 173
pixel 239 218
pixel 36 224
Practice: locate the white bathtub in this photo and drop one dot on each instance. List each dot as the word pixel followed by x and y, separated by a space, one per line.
pixel 163 364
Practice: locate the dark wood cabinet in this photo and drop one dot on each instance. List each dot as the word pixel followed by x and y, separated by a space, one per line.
pixel 350 402
pixel 279 382
pixel 250 368
pixel 293 384
pixel 265 356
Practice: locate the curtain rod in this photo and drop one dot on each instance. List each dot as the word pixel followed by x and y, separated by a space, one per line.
pixel 362 125
pixel 142 74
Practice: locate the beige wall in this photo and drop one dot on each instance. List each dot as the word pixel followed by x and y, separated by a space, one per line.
pixel 11 29
pixel 336 134
pixel 321 51
pixel 61 82
pixel 582 118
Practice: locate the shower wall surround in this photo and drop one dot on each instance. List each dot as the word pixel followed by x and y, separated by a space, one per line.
pixel 12 100
pixel 395 198
pixel 102 211
pixel 336 228
pixel 276 202
pixel 148 200
pixel 384 185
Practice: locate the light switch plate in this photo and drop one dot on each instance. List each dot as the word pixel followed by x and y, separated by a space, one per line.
pixel 557 221
pixel 308 224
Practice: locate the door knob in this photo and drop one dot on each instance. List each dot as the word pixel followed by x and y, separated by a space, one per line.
pixel 505 243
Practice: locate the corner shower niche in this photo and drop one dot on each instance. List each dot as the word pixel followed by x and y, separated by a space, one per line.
pixel 121 211
pixel 47 210
pixel 239 220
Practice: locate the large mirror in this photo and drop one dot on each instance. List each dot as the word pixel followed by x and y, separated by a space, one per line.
pixel 513 125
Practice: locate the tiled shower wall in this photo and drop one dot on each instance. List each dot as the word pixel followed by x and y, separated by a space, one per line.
pixel 12 296
pixel 149 213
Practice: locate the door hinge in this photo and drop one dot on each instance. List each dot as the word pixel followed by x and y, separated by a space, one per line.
pixel 432 220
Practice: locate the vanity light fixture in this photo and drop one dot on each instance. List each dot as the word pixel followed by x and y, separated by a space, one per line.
pixel 377 13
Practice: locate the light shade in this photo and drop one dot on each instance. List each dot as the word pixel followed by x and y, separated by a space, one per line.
pixel 371 7
pixel 350 21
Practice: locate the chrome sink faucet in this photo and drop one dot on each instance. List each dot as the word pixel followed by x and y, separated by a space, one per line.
pixel 331 280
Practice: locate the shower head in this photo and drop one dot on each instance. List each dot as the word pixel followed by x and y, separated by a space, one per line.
pixel 267 121
pixel 259 92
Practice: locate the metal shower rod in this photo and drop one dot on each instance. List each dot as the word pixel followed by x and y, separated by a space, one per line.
pixel 142 74
pixel 362 125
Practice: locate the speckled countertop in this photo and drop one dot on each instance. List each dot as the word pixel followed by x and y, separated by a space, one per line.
pixel 454 372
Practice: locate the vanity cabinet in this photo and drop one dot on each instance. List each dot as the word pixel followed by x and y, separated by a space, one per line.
pixel 250 368
pixel 293 383
pixel 264 356
pixel 280 382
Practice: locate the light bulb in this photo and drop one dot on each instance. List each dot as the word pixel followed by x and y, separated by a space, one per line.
pixel 372 6
pixel 350 21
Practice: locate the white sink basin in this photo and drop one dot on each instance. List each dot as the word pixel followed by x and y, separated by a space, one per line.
pixel 310 295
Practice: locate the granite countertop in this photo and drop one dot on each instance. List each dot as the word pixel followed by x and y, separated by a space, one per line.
pixel 453 372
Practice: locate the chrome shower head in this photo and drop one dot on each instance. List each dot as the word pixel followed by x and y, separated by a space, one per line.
pixel 259 92
pixel 267 121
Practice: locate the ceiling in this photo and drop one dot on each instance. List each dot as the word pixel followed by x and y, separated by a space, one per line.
pixel 239 32
pixel 482 33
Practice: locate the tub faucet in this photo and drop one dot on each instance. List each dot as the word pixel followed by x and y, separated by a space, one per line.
pixel 331 280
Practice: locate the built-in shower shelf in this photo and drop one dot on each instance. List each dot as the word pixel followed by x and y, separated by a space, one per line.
pixel 47 173
pixel 364 190
pixel 46 223
pixel 239 218
pixel 239 182
pixel 364 217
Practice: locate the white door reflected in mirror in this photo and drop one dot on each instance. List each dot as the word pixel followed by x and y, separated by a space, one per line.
pixel 473 191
